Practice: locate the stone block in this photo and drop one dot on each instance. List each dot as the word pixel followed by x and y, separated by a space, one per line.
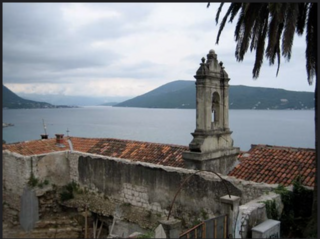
pixel 268 229
pixel 171 227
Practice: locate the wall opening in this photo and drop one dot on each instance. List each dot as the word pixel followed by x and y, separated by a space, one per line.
pixel 215 109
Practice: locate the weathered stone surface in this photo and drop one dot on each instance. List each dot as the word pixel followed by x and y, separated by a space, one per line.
pixel 146 188
pixel 159 232
pixel 29 212
pixel 212 146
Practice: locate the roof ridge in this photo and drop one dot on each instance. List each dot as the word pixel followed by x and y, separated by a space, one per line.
pixel 134 141
pixel 279 147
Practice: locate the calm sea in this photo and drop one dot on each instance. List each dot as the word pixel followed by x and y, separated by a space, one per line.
pixel 172 126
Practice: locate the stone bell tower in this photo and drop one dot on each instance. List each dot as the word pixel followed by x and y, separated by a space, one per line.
pixel 212 146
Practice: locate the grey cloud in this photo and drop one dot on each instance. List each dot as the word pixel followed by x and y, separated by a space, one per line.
pixel 31 22
pixel 38 48
pixel 132 14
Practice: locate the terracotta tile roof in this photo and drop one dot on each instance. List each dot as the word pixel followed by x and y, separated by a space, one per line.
pixel 34 147
pixel 161 154
pixel 276 164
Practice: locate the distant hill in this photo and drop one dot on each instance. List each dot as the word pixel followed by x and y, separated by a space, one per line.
pixel 12 101
pixel 182 94
pixel 176 94
pixel 59 99
pixel 110 104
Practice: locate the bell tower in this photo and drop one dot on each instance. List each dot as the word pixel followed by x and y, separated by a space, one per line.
pixel 212 146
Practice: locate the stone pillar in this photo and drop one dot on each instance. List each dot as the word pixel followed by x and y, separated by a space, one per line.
pixel 231 207
pixel 172 227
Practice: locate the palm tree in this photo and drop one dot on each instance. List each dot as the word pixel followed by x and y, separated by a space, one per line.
pixel 276 23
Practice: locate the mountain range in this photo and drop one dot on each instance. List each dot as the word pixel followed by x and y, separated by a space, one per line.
pixel 11 100
pixel 177 94
pixel 182 94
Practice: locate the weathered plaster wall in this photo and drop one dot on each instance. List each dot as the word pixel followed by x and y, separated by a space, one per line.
pixel 153 187
pixel 54 167
pixel 17 171
pixel 251 190
pixel 15 174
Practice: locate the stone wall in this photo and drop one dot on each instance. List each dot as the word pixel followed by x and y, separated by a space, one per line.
pixel 15 175
pixel 148 186
pixel 17 169
pixel 153 187
pixel 251 190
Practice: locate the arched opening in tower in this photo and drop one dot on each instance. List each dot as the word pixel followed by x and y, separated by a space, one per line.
pixel 215 109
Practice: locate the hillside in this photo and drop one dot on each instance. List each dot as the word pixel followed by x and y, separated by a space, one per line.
pixel 182 94
pixel 12 101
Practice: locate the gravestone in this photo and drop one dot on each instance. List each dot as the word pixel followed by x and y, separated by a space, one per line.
pixel 29 210
pixel 159 232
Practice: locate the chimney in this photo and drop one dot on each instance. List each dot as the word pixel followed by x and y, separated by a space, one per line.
pixel 44 136
pixel 59 140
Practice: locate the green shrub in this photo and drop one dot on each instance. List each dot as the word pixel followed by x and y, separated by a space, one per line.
pixel 149 234
pixel 33 181
pixel 69 190
pixel 297 208
pixel 66 195
pixel 46 182
pixel 271 208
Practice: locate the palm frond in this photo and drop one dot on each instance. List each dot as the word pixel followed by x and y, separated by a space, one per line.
pixel 275 31
pixel 278 22
pixel 260 47
pixel 301 21
pixel 291 17
pixel 239 25
pixel 311 38
pixel 262 18
pixel 235 10
pixel 251 12
pixel 223 22
pixel 218 12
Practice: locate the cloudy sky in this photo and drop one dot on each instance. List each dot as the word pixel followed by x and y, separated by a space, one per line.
pixel 124 49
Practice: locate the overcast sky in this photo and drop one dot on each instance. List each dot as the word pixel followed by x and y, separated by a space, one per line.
pixel 125 49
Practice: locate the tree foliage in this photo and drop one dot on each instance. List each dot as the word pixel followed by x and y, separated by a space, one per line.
pixel 269 29
pixel 276 24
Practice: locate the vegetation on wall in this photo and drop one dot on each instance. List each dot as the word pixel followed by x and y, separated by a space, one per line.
pixel 35 182
pixel 296 212
pixel 69 190
pixel 272 210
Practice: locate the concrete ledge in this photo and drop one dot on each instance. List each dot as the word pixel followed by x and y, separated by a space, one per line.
pixel 215 155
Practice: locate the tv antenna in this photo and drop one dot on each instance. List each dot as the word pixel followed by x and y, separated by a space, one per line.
pixel 44 127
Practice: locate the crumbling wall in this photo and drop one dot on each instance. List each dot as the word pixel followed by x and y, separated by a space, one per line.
pixel 251 190
pixel 17 171
pixel 153 187
pixel 149 186
pixel 53 167
pixel 15 175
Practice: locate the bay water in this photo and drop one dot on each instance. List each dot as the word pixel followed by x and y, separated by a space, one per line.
pixel 293 128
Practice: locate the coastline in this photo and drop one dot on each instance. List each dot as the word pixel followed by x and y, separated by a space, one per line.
pixel 6 125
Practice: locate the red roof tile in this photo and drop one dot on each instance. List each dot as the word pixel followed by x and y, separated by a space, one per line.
pixel 156 153
pixel 276 164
